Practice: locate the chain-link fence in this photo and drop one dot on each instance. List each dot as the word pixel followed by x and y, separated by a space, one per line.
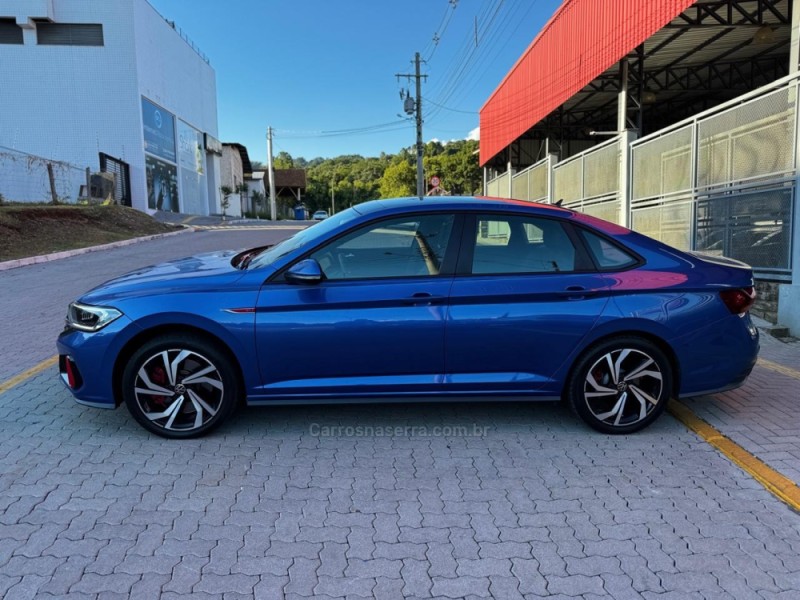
pixel 29 178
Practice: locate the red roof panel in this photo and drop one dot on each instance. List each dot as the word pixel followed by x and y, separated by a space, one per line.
pixel 581 40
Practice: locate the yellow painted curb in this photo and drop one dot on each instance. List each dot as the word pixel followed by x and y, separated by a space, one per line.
pixel 782 487
pixel 773 366
pixel 16 380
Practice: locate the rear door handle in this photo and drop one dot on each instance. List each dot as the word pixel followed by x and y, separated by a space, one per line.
pixel 577 292
pixel 423 299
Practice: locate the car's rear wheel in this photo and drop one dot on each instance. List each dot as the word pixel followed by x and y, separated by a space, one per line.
pixel 179 386
pixel 620 385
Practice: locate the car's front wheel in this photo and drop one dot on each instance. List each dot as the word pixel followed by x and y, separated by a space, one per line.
pixel 179 386
pixel 621 385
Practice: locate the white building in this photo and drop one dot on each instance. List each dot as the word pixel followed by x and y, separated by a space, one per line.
pixel 90 77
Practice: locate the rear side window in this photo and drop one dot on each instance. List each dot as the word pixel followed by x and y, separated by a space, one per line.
pixel 606 254
pixel 517 244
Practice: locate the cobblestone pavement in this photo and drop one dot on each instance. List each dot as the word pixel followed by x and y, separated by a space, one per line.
pixel 763 416
pixel 33 299
pixel 536 505
pixel 504 500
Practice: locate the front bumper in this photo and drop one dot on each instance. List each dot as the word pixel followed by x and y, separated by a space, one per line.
pixel 86 362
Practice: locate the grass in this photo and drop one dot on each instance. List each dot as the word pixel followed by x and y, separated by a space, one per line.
pixel 34 229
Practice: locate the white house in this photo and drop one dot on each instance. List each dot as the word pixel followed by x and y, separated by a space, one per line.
pixel 81 79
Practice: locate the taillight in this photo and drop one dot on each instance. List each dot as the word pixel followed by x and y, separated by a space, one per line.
pixel 739 301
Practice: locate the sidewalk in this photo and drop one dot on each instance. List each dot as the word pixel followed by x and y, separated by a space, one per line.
pixel 217 220
pixel 762 416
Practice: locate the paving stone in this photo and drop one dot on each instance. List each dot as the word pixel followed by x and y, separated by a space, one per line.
pixel 91 506
pixel 212 583
pixel 460 587
pixel 415 577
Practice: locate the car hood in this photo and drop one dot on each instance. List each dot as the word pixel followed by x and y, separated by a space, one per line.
pixel 183 274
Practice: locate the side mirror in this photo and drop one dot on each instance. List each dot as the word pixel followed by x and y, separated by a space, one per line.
pixel 305 272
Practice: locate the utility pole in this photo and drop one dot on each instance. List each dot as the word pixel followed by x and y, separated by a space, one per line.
pixel 417 110
pixel 333 200
pixel 271 168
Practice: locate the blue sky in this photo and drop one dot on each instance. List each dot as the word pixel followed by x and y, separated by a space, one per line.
pixel 311 66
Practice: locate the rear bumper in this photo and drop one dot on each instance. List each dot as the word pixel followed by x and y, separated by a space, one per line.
pixel 718 357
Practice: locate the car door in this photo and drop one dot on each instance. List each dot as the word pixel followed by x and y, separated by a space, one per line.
pixel 374 325
pixel 525 295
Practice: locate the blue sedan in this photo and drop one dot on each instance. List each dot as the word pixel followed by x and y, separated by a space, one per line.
pixel 441 298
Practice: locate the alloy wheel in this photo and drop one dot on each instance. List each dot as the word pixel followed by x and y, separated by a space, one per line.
pixel 623 387
pixel 178 390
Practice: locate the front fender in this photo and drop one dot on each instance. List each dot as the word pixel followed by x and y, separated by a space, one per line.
pixel 235 330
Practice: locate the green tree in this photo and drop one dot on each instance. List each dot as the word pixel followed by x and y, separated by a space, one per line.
pixel 284 160
pixel 399 179
pixel 354 179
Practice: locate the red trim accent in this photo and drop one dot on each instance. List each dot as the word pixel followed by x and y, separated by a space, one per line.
pixel 580 41
pixel 241 310
pixel 70 373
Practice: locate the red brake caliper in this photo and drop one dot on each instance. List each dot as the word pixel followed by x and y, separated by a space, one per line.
pixel 159 377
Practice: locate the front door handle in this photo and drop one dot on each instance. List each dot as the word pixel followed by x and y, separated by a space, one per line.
pixel 423 299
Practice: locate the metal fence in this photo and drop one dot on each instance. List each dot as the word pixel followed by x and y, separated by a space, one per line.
pixel 122 177
pixel 29 178
pixel 498 187
pixel 534 183
pixel 589 181
pixel 723 182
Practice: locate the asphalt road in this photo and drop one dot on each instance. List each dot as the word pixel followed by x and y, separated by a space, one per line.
pixel 34 299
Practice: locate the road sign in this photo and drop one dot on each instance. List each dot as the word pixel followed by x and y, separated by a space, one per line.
pixel 435 181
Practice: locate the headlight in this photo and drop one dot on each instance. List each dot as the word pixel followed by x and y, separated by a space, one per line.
pixel 90 318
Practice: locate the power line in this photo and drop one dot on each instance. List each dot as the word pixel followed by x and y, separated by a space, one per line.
pixel 477 75
pixel 376 128
pixel 440 31
pixel 453 80
pixel 467 43
pixel 443 107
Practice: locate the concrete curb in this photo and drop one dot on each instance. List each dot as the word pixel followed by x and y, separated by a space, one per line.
pixel 43 258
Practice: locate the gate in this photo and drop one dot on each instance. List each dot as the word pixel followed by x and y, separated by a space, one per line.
pixel 122 177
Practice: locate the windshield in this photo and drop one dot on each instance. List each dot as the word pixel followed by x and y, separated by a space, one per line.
pixel 301 238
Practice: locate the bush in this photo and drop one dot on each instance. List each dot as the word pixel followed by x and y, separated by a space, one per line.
pixel 251 214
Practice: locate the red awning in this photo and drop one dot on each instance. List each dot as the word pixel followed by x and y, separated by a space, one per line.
pixel 580 41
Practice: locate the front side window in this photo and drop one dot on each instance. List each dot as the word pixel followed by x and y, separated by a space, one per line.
pixel 402 247
pixel 516 244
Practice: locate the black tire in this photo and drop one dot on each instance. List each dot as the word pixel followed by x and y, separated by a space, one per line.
pixel 193 408
pixel 612 413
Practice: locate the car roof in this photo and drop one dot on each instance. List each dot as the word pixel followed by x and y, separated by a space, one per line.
pixel 437 203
